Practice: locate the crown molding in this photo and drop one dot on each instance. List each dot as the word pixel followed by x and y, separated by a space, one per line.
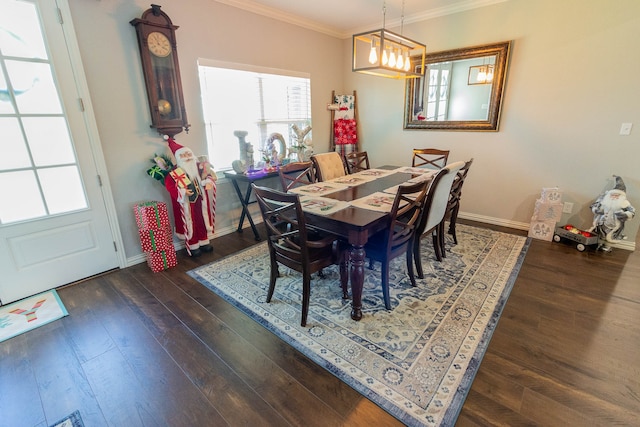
pixel 446 10
pixel 270 12
pixel 260 9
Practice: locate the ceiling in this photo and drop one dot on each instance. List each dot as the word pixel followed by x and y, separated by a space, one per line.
pixel 342 18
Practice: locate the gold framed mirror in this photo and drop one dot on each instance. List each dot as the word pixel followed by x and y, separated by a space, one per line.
pixel 461 89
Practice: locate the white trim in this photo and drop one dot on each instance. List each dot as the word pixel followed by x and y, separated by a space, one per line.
pixel 495 221
pixel 445 10
pixel 622 244
pixel 140 258
pixel 463 215
pixel 214 63
pixel 92 128
pixel 280 15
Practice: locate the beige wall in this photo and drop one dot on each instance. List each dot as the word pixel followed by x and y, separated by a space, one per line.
pixel 572 82
pixel 210 30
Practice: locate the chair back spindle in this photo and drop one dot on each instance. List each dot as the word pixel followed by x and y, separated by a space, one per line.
pixel 453 206
pixel 296 174
pixel 429 158
pixel 356 161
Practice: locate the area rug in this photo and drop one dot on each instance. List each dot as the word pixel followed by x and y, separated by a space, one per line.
pixel 416 361
pixel 73 420
pixel 30 313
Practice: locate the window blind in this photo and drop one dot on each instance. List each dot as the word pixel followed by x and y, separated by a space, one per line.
pixel 260 103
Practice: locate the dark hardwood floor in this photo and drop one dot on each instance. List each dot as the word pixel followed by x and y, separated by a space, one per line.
pixel 158 349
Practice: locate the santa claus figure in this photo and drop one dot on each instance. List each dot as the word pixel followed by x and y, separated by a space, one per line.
pixel 611 209
pixel 192 187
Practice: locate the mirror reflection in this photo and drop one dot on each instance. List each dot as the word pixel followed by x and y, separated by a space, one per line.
pixel 461 89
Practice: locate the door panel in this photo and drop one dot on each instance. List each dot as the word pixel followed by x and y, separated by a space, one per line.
pixel 54 224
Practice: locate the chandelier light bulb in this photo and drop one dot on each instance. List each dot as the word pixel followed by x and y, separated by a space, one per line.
pixel 482 74
pixel 373 55
pixel 392 58
pixel 387 54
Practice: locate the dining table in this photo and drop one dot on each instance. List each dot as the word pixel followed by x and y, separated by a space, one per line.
pixel 355 225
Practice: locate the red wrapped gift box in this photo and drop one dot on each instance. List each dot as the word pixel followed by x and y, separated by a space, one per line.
pixel 162 260
pixel 159 239
pixel 151 215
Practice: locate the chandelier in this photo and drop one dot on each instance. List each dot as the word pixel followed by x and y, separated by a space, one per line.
pixel 481 74
pixel 387 54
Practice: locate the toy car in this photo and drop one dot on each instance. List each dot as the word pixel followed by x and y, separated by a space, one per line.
pixel 582 238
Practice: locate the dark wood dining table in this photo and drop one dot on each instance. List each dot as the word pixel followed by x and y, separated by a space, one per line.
pixel 355 226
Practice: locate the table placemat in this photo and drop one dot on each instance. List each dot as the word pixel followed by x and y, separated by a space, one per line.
pixel 319 189
pixel 394 190
pixel 351 180
pixel 374 173
pixel 378 201
pixel 322 205
pixel 415 171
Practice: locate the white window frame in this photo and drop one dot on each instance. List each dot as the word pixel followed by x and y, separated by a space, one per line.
pixel 230 142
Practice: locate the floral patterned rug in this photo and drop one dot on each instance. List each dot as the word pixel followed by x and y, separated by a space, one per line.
pixel 416 361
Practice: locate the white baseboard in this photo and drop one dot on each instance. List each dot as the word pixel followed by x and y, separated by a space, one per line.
pixel 622 244
pixel 140 258
pixel 630 246
pixel 495 221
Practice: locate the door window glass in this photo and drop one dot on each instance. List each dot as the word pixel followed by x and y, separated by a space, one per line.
pixel 39 175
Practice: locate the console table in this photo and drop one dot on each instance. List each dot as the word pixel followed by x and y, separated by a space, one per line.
pixel 248 179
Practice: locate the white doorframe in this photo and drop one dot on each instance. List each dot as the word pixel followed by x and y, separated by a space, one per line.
pixel 92 127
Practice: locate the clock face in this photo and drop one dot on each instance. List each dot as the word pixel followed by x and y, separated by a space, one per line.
pixel 159 44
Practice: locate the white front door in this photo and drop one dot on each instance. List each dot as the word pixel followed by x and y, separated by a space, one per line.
pixel 54 224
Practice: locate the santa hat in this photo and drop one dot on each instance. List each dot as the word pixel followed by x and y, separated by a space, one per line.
pixel 619 184
pixel 174 146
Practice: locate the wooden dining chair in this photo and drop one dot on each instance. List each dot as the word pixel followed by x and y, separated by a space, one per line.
pixel 328 166
pixel 453 206
pixel 290 242
pixel 432 222
pixel 397 239
pixel 356 161
pixel 296 174
pixel 430 158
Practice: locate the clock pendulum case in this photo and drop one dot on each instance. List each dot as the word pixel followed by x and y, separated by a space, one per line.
pixel 158 52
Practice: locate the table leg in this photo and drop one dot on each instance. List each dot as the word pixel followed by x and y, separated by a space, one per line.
pixel 344 270
pixel 244 201
pixel 357 255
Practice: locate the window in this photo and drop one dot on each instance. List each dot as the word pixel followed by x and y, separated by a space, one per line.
pixel 438 91
pixel 258 101
pixel 38 152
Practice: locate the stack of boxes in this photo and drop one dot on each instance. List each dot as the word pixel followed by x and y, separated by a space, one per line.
pixel 547 212
pixel 154 230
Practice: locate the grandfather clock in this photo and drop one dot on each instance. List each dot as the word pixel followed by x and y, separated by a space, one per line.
pixel 158 51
